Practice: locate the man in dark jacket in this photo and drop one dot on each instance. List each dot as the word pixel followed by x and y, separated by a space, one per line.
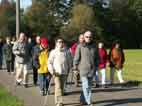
pixel 86 60
pixel 1 53
pixel 7 50
pixel 35 52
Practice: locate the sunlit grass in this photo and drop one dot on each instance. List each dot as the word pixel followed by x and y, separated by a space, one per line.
pixel 8 100
pixel 133 66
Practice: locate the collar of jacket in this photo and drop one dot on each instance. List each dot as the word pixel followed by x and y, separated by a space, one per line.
pixel 60 49
pixel 88 44
pixel 42 49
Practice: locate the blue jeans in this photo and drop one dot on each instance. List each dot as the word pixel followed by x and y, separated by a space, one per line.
pixel 44 80
pixel 86 87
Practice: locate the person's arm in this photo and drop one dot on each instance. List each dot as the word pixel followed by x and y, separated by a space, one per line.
pixel 4 49
pixel 123 57
pixel 15 49
pixel 106 56
pixel 77 57
pixel 97 58
pixel 35 57
pixel 50 63
pixel 69 59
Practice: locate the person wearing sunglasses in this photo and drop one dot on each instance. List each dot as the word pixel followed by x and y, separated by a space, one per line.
pixel 86 61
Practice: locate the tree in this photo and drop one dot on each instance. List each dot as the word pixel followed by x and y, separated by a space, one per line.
pixel 82 19
pixel 46 16
pixel 122 21
pixel 7 19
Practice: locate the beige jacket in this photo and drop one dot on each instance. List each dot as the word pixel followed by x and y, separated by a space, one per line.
pixel 59 61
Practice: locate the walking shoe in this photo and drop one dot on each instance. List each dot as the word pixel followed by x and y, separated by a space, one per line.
pixel 97 86
pixel 60 104
pixel 90 105
pixel 77 85
pixel 104 86
pixel 46 92
pixel 83 103
pixel 18 83
pixel 26 85
pixel 42 93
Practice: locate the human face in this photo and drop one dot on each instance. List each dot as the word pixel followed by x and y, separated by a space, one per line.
pixel 60 43
pixel 117 46
pixel 88 37
pixel 81 38
pixel 44 46
pixel 22 37
pixel 38 39
pixel 100 45
pixel 8 40
pixel 0 40
pixel 29 40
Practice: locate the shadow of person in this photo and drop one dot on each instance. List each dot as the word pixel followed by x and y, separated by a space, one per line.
pixel 114 102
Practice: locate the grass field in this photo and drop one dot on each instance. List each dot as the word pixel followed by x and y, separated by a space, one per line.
pixel 133 65
pixel 7 100
pixel 132 70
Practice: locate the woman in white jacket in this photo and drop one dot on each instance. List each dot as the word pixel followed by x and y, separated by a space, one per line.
pixel 59 64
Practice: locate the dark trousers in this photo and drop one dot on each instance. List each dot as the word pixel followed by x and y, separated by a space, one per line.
pixel 1 60
pixel 35 75
pixel 10 66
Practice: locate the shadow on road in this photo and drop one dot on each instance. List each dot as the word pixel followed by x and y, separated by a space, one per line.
pixel 112 89
pixel 114 102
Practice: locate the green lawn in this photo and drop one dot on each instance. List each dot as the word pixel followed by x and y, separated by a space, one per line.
pixel 133 65
pixel 7 100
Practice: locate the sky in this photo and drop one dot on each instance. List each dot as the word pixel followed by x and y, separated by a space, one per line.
pixel 25 3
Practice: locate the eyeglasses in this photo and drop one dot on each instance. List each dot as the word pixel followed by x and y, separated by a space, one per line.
pixel 60 41
pixel 88 36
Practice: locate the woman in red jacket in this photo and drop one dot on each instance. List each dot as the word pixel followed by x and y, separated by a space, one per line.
pixel 116 61
pixel 102 62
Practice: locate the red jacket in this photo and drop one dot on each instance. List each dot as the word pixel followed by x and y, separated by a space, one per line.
pixel 73 49
pixel 117 58
pixel 102 57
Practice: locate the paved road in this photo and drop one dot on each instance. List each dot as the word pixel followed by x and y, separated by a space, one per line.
pixel 114 96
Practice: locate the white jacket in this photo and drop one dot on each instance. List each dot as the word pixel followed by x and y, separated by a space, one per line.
pixel 59 61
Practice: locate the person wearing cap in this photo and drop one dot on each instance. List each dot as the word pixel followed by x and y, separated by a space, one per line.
pixel 41 62
pixel 22 58
pixel 86 61
pixel 59 64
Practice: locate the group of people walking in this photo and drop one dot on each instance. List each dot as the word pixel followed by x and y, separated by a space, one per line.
pixel 85 59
